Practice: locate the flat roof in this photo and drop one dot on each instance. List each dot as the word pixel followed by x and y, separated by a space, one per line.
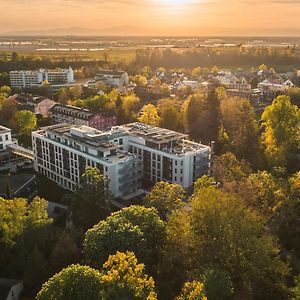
pixel 84 135
pixel 153 134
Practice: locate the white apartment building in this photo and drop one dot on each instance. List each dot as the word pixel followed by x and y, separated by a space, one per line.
pixel 166 155
pixel 131 156
pixel 27 79
pixel 5 138
pixel 111 78
pixel 62 153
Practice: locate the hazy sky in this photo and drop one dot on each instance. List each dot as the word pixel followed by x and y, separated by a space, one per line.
pixel 176 17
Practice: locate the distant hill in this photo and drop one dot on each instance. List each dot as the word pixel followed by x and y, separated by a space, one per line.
pixel 81 31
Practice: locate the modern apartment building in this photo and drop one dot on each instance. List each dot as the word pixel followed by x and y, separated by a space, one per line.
pixel 111 78
pixel 79 116
pixel 62 153
pixel 27 79
pixel 165 154
pixel 132 156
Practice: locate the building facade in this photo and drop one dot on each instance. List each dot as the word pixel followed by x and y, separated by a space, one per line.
pixel 79 116
pixel 111 78
pixel 166 155
pixel 27 79
pixel 132 156
pixel 63 152
pixel 5 138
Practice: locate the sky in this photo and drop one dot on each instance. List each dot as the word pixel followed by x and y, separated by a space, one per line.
pixel 154 17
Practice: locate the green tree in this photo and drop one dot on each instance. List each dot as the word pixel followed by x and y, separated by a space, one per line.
pixel 196 73
pixel 240 124
pixel 294 182
pixel 203 182
pixel 295 291
pixel 149 115
pixel 203 117
pixel 25 238
pixel 165 197
pixel 263 192
pixel 193 290
pixel 286 223
pixel 8 111
pixel 170 118
pixel 229 237
pixel 217 285
pixel 64 253
pixel 124 278
pixel 6 90
pixel 72 283
pixel 135 228
pixel 281 136
pixel 228 170
pixel 91 202
pixel 27 121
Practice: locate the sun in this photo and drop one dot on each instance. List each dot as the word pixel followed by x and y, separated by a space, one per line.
pixel 173 2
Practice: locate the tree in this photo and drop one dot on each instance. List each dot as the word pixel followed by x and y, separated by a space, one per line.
pixel 196 73
pixel 214 70
pixel 294 94
pixel 26 121
pixel 286 223
pixel 281 136
pixel 6 90
pixel 165 197
pixel 164 88
pixel 149 115
pixel 203 117
pixel 91 202
pixel 124 278
pixel 228 170
pixel 263 67
pixel 295 291
pixel 8 111
pixel 76 91
pixel 193 290
pixel 64 253
pixel 263 192
pixel 217 285
pixel 135 228
pixel 294 182
pixel 72 283
pixel 35 268
pixel 170 118
pixel 240 124
pixel 140 80
pixel 203 182
pixel 229 237
pixel 131 105
pixel 63 96
pixel 25 231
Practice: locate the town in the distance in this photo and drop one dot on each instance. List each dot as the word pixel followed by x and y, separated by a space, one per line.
pixel 166 171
